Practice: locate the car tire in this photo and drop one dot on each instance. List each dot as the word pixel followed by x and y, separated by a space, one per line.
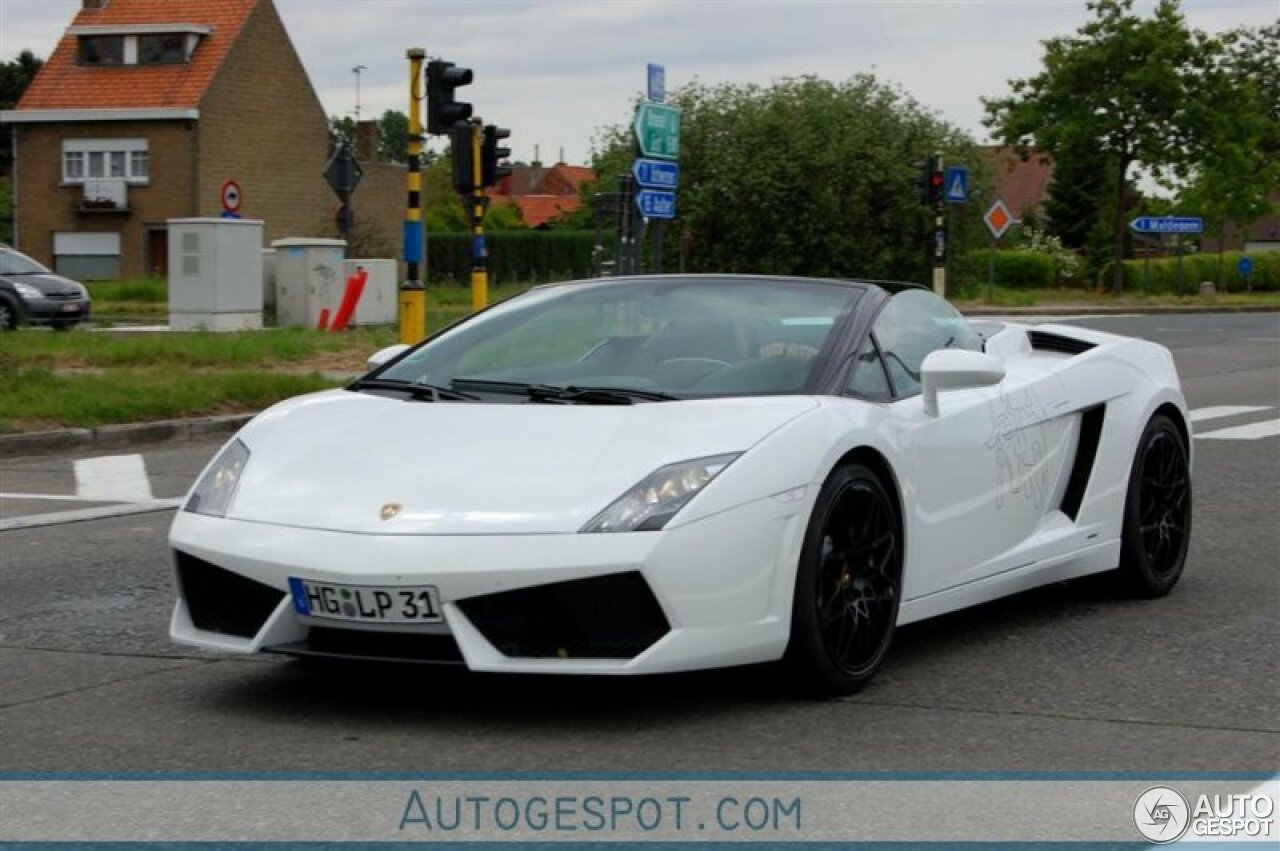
pixel 9 314
pixel 848 585
pixel 1157 512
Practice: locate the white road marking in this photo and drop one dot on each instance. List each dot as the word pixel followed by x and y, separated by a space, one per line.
pixel 1219 411
pixel 113 478
pixel 31 521
pixel 1252 431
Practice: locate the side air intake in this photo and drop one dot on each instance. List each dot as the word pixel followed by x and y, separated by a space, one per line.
pixel 1046 341
pixel 1086 453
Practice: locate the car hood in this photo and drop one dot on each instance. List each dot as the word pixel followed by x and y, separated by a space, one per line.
pixel 47 284
pixel 334 460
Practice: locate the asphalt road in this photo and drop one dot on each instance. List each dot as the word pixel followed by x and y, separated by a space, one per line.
pixel 1063 678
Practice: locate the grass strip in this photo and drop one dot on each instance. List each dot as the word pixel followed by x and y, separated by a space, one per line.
pixel 38 398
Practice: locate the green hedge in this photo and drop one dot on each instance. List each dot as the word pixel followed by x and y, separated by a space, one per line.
pixel 526 256
pixel 1015 269
pixel 1163 274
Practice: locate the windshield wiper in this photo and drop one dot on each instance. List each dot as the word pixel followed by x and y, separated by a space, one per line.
pixel 570 394
pixel 600 395
pixel 417 389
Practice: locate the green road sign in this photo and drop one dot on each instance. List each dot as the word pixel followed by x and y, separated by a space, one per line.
pixel 657 128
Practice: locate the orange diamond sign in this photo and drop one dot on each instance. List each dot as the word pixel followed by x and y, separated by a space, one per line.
pixel 998 219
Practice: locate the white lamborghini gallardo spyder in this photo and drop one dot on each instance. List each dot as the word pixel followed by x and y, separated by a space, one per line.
pixel 650 474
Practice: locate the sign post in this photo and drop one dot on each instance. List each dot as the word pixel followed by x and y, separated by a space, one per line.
pixel 655 173
pixel 343 175
pixel 1245 267
pixel 1179 226
pixel 232 198
pixel 998 220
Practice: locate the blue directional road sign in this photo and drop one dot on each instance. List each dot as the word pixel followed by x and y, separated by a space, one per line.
pixel 1168 224
pixel 657 83
pixel 957 185
pixel 656 204
pixel 656 174
pixel 1245 266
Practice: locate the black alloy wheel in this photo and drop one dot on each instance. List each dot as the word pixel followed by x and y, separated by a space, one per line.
pixel 1157 514
pixel 848 585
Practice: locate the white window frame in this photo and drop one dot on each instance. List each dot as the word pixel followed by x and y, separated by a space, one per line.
pixel 105 147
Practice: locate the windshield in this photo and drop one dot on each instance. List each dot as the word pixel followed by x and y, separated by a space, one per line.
pixel 13 263
pixel 661 338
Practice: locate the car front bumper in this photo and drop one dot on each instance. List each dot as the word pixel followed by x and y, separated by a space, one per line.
pixel 50 310
pixel 723 586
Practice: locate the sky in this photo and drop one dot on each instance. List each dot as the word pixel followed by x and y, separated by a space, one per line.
pixel 554 71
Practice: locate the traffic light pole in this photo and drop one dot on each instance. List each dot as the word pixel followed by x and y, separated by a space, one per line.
pixel 479 203
pixel 939 252
pixel 413 295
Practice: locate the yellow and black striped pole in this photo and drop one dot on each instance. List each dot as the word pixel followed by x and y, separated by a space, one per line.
pixel 480 201
pixel 413 295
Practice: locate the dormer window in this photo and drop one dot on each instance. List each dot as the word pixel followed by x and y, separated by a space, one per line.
pixel 139 44
pixel 162 49
pixel 102 49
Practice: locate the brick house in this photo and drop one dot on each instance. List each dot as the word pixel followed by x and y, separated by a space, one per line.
pixel 144 110
pixel 542 194
pixel 1024 184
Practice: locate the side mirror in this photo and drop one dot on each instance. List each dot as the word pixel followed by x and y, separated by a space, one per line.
pixel 956 369
pixel 383 355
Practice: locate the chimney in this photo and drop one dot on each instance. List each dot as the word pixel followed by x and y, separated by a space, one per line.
pixel 366 141
pixel 94 5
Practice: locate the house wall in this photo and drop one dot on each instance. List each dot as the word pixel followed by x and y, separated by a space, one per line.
pixel 45 206
pixel 262 125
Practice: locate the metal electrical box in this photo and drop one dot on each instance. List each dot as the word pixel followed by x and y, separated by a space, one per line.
pixel 380 302
pixel 309 278
pixel 215 274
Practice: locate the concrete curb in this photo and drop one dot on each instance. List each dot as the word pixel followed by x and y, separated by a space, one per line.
pixel 119 436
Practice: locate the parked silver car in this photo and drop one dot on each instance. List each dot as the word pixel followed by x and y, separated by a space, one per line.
pixel 33 294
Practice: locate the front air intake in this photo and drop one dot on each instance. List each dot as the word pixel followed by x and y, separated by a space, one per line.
pixel 222 601
pixel 604 617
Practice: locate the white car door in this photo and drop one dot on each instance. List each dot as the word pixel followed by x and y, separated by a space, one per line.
pixel 983 473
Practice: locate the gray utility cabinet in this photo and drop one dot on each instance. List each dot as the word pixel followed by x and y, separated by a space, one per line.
pixel 309 278
pixel 379 304
pixel 215 274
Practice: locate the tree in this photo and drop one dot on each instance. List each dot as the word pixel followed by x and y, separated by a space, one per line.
pixel 805 177
pixel 1237 148
pixel 1122 86
pixel 393 137
pixel 15 76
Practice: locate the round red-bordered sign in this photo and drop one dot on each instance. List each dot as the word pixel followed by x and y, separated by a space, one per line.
pixel 231 196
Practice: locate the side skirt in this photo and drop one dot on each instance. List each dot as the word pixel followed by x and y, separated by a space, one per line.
pixel 1093 559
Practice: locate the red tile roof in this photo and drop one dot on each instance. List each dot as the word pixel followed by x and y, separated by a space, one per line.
pixel 559 179
pixel 65 84
pixel 1024 186
pixel 574 175
pixel 537 210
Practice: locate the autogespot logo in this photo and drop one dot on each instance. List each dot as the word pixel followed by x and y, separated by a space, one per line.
pixel 1161 814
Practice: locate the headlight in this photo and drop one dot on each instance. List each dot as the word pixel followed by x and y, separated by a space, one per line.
pixel 650 504
pixel 28 292
pixel 217 487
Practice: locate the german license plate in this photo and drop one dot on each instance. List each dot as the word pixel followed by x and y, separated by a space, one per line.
pixel 365 603
pixel 70 308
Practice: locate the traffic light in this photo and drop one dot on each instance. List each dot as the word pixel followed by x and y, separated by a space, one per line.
pixel 490 155
pixel 442 110
pixel 930 179
pixel 460 144
pixel 936 180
